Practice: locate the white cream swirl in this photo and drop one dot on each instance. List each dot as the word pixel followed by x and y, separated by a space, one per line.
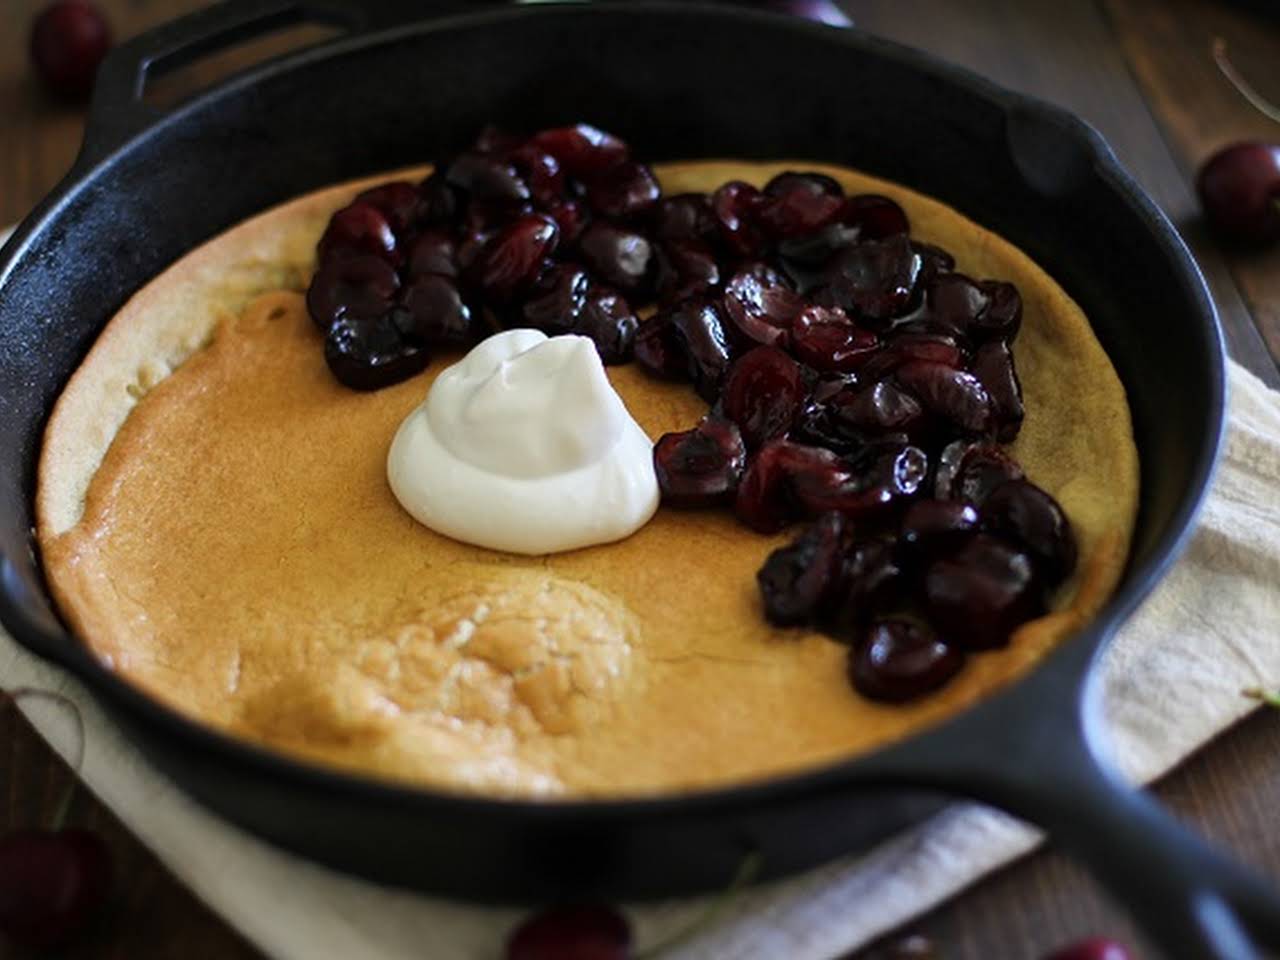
pixel 524 446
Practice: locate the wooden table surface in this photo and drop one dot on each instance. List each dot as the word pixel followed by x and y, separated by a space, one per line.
pixel 1138 70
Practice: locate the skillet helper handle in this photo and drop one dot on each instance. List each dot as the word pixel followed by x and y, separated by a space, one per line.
pixel 118 109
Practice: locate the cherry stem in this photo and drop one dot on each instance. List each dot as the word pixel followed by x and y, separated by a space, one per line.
pixel 1271 697
pixel 1237 80
pixel 63 808
pixel 746 872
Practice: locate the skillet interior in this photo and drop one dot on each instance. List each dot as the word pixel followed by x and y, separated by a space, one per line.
pixel 684 83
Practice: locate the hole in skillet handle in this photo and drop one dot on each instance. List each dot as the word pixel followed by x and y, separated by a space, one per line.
pixel 157 69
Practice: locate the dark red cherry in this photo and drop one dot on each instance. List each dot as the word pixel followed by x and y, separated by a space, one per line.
pixel 583 150
pixel 659 349
pixel 954 395
pixel 621 257
pixel 1003 315
pixel 541 172
pixel 873 582
pixel 358 230
pixel 874 280
pixel 587 932
pixel 700 467
pixel 686 216
pixel 441 204
pixel 898 660
pixel 440 318
pixel 810 181
pixel 766 500
pixel 797 581
pixel 797 204
pixel 876 217
pixel 763 394
pixel 488 178
pixel 369 355
pixel 433 251
pixel 556 301
pixel 51 884
pixel 68 40
pixel 608 320
pixel 1095 948
pixel 762 304
pixel 905 347
pixel 624 190
pixel 398 201
pixel 1023 513
pixel 736 205
pixel 993 367
pixel 971 471
pixel 933 261
pixel 951 305
pixel 361 287
pixel 983 592
pixel 881 407
pixel 827 340
pixel 510 261
pixel 685 268
pixel 877 482
pixel 572 217
pixel 493 139
pixel 1239 188
pixel 701 328
pixel 935 528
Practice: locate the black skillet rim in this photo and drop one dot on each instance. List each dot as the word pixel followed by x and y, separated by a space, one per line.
pixel 1072 660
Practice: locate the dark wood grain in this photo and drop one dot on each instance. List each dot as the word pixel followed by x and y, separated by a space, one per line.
pixel 1138 70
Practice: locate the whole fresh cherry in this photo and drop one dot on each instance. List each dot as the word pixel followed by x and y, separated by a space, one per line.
pixel 51 883
pixel 1239 187
pixel 575 932
pixel 68 40
pixel 1095 948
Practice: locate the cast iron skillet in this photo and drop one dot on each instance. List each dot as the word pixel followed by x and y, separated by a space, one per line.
pixel 678 80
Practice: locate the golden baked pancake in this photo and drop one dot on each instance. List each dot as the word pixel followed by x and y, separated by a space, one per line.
pixel 217 526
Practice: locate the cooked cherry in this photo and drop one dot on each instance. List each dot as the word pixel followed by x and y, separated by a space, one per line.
pixel 898 660
pixel 493 139
pixel 620 257
pixel 440 202
pixel 358 229
pixel 433 251
pixel 361 287
pixel 819 425
pixel 660 350
pixel 1095 948
pixel 607 318
pixel 879 408
pixel 440 318
pixel 993 366
pixel 935 528
pixel 763 393
pixel 736 205
pixel 51 884
pixel 487 178
pixel 1239 187
pixel 556 303
pixel 873 581
pixel 876 217
pixel 582 149
pixel 827 340
pixel 952 304
pixel 624 190
pixel 369 355
pixel 766 500
pixel 1003 315
pixel 878 481
pixel 700 467
pixel 797 580
pixel 1020 511
pixel 905 347
pixel 700 325
pixel 933 261
pixel 398 201
pixel 946 392
pixel 686 216
pixel 797 204
pixel 510 261
pixel 873 280
pixel 970 471
pixel 587 932
pixel 685 268
pixel 804 256
pixel 572 217
pixel 761 304
pixel 541 172
pixel 68 40
pixel 979 595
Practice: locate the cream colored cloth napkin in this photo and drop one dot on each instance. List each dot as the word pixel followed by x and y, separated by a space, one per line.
pixel 1173 679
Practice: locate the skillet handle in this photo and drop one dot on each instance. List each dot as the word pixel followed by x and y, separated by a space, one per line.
pixel 1033 752
pixel 118 110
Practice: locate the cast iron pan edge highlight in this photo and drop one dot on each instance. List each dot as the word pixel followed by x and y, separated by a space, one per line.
pixel 1031 749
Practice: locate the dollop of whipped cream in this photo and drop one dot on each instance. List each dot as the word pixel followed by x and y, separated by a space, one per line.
pixel 524 446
